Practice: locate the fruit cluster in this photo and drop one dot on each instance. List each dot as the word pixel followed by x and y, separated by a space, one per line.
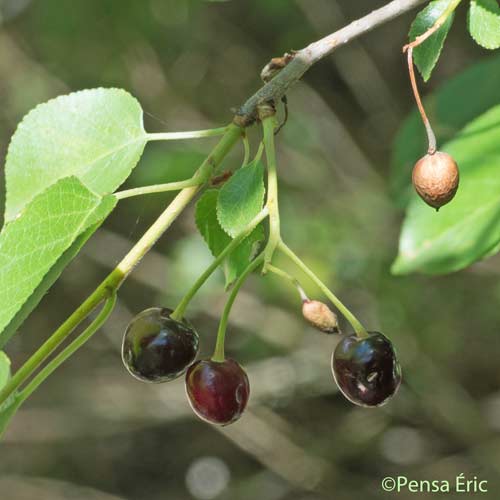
pixel 158 348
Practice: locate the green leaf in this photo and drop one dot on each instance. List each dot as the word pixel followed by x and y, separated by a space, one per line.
pixel 241 198
pixel 95 135
pixel 450 108
pixel 33 243
pixel 468 228
pixel 47 281
pixel 86 144
pixel 242 255
pixel 484 23
pixel 427 54
pixel 208 225
pixel 217 239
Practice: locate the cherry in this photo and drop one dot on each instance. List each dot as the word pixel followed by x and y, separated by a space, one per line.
pixel 320 316
pixel 217 391
pixel 157 348
pixel 435 178
pixel 366 369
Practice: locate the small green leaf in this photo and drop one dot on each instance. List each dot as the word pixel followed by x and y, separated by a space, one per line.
pixel 32 244
pixel 451 108
pixel 217 239
pixel 95 135
pixel 427 54
pixel 208 225
pixel 242 255
pixel 484 23
pixel 468 228
pixel 241 198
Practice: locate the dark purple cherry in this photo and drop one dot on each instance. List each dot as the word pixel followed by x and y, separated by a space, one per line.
pixel 366 369
pixel 217 391
pixel 157 348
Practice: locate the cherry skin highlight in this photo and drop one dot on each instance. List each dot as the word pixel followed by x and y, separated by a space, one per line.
pixel 157 348
pixel 366 369
pixel 217 391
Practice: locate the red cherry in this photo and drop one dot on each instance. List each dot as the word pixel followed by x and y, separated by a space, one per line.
pixel 217 391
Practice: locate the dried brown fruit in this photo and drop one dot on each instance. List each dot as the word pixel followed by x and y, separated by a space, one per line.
pixel 320 316
pixel 435 178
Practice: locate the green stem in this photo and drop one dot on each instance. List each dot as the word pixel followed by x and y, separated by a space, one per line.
pixel 246 149
pixel 51 344
pixel 193 134
pixel 268 124
pixel 218 355
pixel 178 314
pixel 159 188
pixel 69 350
pixel 260 152
pixel 113 281
pixel 349 316
pixel 291 279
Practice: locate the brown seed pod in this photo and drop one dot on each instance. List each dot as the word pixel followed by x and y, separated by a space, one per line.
pixel 435 178
pixel 320 316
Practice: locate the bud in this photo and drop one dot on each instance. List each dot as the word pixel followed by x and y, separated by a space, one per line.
pixel 320 316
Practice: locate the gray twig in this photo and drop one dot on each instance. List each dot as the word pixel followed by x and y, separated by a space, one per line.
pixel 303 59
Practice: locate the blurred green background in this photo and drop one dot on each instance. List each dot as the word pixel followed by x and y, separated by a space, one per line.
pixel 92 432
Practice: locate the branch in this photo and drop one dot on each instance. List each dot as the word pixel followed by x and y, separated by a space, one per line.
pixel 310 55
pixel 274 90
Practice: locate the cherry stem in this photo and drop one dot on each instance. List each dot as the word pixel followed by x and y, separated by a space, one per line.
pixel 268 118
pixel 349 316
pixel 219 355
pixel 409 50
pixel 431 138
pixel 46 371
pixel 100 319
pixel 439 22
pixel 178 313
pixel 291 279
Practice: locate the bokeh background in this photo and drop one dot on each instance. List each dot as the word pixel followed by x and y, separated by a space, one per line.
pixel 91 431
